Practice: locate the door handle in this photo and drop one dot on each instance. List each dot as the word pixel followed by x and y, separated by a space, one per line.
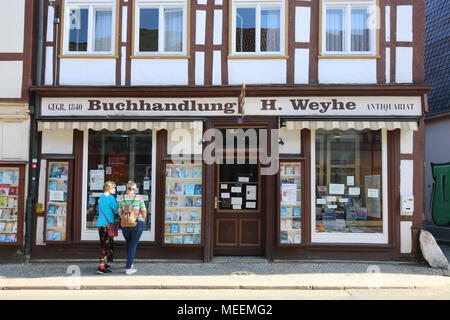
pixel 216 202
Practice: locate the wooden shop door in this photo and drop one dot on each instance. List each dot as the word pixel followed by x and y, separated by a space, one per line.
pixel 238 215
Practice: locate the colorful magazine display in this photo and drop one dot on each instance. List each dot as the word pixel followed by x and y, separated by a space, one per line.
pixel 4 189
pixel 290 203
pixel 183 192
pixel 57 186
pixel 3 202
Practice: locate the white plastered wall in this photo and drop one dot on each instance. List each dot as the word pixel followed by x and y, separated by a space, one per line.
pixel 57 141
pixel 186 141
pixel 348 71
pixel 406 186
pixel 87 71
pixel 12 21
pixel 11 73
pixel 159 72
pixel 257 71
pixel 291 139
pixel 404 55
pixel 14 140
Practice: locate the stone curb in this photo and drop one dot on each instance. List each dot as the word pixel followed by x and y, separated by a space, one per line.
pixel 217 287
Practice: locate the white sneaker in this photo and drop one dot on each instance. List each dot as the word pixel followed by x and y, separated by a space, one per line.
pixel 130 271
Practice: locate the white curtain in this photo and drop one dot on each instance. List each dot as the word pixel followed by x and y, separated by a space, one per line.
pixel 360 30
pixel 270 30
pixel 103 30
pixel 173 29
pixel 335 30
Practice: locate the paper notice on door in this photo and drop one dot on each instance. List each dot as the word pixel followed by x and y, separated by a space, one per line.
pixel 224 186
pixel 372 193
pixel 331 199
pixel 225 195
pixel 236 201
pixel 250 192
pixel 236 189
pixel 321 201
pixel 237 206
pixel 250 204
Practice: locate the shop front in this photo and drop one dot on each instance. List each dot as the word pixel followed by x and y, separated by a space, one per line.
pixel 282 174
pixel 14 128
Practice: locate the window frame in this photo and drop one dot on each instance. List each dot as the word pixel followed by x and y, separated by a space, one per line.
pixel 92 7
pixel 258 5
pixel 352 238
pixel 160 5
pixel 92 234
pixel 347 6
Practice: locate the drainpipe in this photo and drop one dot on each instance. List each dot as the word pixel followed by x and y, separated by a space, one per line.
pixel 34 138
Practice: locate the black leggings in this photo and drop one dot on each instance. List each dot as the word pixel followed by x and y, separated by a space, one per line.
pixel 107 245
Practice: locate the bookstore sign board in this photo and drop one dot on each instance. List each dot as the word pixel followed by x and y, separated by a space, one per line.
pixel 261 106
pixel 335 106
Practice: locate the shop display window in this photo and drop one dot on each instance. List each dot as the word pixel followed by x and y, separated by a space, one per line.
pixel 291 202
pixel 57 201
pixel 348 181
pixel 9 204
pixel 183 204
pixel 118 156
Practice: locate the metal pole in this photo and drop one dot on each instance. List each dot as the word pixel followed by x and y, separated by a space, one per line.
pixel 34 139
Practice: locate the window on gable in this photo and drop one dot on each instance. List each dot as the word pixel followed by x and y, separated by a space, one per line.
pixel 349 28
pixel 258 27
pixel 89 29
pixel 161 28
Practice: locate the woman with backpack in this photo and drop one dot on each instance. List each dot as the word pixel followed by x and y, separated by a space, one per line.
pixel 107 207
pixel 132 212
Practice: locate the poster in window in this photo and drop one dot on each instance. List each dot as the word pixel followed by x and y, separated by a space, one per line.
pixel 372 184
pixel 117 163
pixel 146 183
pixel 289 193
pixel 96 179
pixel 56 196
pixel 337 188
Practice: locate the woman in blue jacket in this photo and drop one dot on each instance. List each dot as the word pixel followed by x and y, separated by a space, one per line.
pixel 107 207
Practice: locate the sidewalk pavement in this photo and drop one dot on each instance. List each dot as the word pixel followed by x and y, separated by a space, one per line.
pixel 225 273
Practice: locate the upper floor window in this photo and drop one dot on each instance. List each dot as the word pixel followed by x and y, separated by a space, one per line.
pixel 349 28
pixel 258 27
pixel 89 28
pixel 160 28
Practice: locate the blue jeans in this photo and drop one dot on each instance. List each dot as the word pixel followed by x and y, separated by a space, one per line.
pixel 132 236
